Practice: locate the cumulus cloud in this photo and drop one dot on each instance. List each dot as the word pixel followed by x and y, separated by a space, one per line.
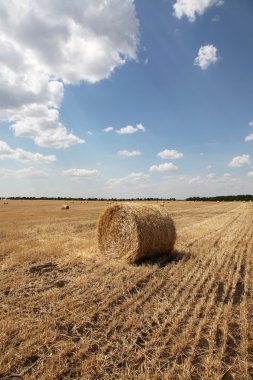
pixel 212 179
pixel 163 167
pixel 130 179
pixel 207 55
pixel 29 173
pixel 44 45
pixel 240 161
pixel 192 8
pixel 250 174
pixel 108 129
pixel 129 129
pixel 170 154
pixel 249 137
pixel 127 153
pixel 209 167
pixel 81 173
pixel 42 125
pixel 18 154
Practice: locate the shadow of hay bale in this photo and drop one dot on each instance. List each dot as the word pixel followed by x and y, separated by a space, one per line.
pixel 165 259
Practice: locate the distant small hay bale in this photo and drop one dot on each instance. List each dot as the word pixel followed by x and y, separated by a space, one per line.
pixel 6 203
pixel 65 207
pixel 135 231
pixel 162 204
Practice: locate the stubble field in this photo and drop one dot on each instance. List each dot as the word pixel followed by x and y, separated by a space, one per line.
pixel 68 313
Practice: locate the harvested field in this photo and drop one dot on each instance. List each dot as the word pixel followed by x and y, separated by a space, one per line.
pixel 69 313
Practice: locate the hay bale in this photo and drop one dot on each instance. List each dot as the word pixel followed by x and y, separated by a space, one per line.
pixel 135 231
pixel 65 207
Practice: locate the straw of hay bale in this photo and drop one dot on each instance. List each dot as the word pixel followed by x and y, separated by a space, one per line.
pixel 65 207
pixel 135 231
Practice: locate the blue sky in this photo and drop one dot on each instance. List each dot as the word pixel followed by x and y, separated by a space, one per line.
pixel 126 99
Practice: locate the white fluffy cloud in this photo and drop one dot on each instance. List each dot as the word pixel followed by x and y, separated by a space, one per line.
pixel 81 173
pixel 44 45
pixel 170 154
pixel 108 129
pixel 249 137
pixel 41 124
pixel 74 41
pixel 129 129
pixel 218 185
pixel 192 8
pixel 210 179
pixel 240 161
pixel 130 179
pixel 127 153
pixel 207 55
pixel 18 154
pixel 163 167
pixel 29 173
pixel 250 174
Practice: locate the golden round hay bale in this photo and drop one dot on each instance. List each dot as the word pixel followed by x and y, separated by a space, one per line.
pixel 65 207
pixel 135 231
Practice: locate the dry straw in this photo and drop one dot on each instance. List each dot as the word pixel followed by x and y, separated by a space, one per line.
pixel 134 232
pixel 65 207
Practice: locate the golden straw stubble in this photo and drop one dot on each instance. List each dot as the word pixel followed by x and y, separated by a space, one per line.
pixel 135 231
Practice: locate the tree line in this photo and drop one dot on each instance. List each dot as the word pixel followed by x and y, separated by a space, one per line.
pixel 223 198
pixel 220 198
pixel 87 199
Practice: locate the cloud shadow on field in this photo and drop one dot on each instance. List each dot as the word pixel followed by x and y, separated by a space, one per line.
pixel 165 259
